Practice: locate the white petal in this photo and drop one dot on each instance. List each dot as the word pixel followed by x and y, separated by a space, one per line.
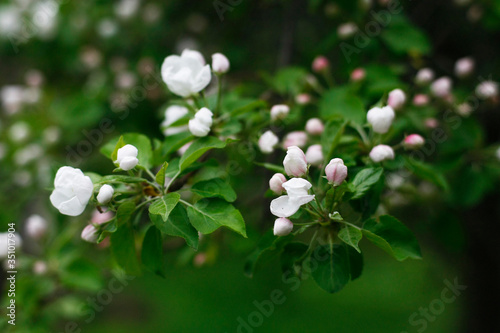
pixel 283 207
pixel 72 207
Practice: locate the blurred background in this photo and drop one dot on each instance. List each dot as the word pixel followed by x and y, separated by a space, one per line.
pixel 67 65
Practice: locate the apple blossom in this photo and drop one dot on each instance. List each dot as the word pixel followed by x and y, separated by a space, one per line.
pixel 358 74
pixel 127 157
pixel 187 74
pixel 19 131
pixel 201 123
pixel 424 76
pixel 297 195
pixel 320 64
pixel 72 191
pixel 295 162
pixel 90 234
pixel 279 112
pixel 487 89
pixel 16 241
pixel 303 99
pixel 267 142
pixel 35 226
pixel 336 171
pixel 347 30
pixel 464 109
pixel 420 100
pixel 282 226
pixel 441 87
pixel 396 99
pixel 296 138
pixel 105 194
pixel 276 183
pixel 314 126
pixel 381 153
pixel 431 122
pixel 381 118
pixel 39 267
pixel 464 67
pixel 220 63
pixel 172 114
pixel 413 141
pixel 314 155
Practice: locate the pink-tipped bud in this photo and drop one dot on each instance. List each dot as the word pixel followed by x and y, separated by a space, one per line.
pixel 296 138
pixel 295 162
pixel 420 100
pixel 441 87
pixel 431 123
pixel 413 141
pixel 314 155
pixel 396 99
pixel 282 226
pixel 424 76
pixel 279 112
pixel 314 126
pixel 303 99
pixel 320 64
pixel 336 171
pixel 90 234
pixel 358 74
pixel 464 67
pixel 276 183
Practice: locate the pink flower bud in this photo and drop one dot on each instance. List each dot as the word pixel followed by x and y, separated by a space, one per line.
pixel 314 155
pixel 431 123
pixel 220 63
pixel 487 89
pixel 90 234
pixel 464 67
pixel 282 226
pixel 320 64
pixel 413 141
pixel 441 87
pixel 358 74
pixel 336 171
pixel 279 112
pixel 303 99
pixel 297 138
pixel 36 227
pixel 314 126
pixel 381 153
pixel 420 100
pixel 295 162
pixel 424 76
pixel 276 183
pixel 396 99
pixel 100 218
pixel 347 30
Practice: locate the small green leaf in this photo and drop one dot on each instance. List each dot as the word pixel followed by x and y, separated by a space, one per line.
pixel 160 176
pixel 198 148
pixel 123 249
pixel 152 251
pixel 208 215
pixel 393 237
pixel 121 179
pixel 177 225
pixel 272 167
pixel 351 236
pixel 172 143
pixel 216 187
pixel 364 180
pixel 124 213
pixel 333 267
pixel 118 145
pixel 164 205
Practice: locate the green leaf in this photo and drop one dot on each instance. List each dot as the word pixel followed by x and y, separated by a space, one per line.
pixel 124 212
pixel 342 102
pixel 177 225
pixel 351 236
pixel 208 215
pixel 258 104
pixel 364 180
pixel 164 205
pixel 331 137
pixel 393 237
pixel 402 37
pixel 119 144
pixel 121 179
pixel 216 187
pixel 333 267
pixel 82 274
pixel 272 167
pixel 268 247
pixel 198 148
pixel 426 172
pixel 123 249
pixel 160 176
pixel 172 143
pixel 152 251
pixel 292 252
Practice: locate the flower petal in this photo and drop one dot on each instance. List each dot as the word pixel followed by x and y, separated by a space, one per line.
pixel 284 207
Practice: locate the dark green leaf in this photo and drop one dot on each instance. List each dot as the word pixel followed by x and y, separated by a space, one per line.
pixel 124 212
pixel 172 143
pixel 351 236
pixel 164 205
pixel 342 102
pixel 426 172
pixel 152 251
pixel 364 180
pixel 272 167
pixel 198 148
pixel 333 268
pixel 123 249
pixel 393 237
pixel 331 137
pixel 216 187
pixel 177 225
